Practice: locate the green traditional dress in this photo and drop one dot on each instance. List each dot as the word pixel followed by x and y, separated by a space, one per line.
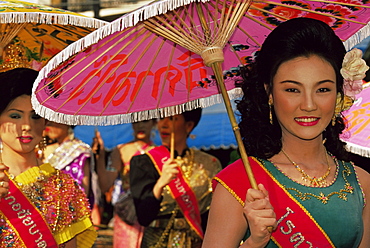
pixel 337 208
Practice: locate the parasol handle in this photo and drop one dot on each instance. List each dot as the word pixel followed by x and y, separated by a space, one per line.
pixel 172 141
pixel 217 69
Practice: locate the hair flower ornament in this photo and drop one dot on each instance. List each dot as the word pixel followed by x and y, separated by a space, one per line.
pixel 353 71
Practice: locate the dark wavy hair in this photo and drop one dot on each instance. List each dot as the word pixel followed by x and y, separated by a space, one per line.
pixel 300 37
pixel 14 83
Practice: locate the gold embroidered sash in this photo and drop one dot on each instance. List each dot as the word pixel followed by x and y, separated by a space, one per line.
pixel 180 190
pixel 296 226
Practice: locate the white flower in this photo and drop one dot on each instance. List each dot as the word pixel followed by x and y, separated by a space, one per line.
pixel 353 66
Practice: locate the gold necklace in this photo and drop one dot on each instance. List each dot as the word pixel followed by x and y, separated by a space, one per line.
pixel 186 163
pixel 313 181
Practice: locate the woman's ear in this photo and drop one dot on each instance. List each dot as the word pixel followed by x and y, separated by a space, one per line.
pixel 269 93
pixel 267 88
pixel 189 126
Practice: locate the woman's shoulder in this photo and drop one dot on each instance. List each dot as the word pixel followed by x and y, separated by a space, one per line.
pixel 207 159
pixel 363 177
pixel 74 144
pixel 200 153
pixel 58 181
pixel 58 176
pixel 141 161
pixel 125 145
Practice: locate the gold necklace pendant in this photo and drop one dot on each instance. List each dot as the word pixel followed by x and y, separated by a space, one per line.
pixel 311 181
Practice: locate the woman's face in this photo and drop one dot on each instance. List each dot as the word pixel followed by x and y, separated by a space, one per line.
pixel 304 94
pixel 20 127
pixel 142 129
pixel 181 129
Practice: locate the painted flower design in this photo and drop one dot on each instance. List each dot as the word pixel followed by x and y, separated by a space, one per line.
pixel 274 14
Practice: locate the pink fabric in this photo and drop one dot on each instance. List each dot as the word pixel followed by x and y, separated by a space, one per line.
pixel 125 235
pixel 357 134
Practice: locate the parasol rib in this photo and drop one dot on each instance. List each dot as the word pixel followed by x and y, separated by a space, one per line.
pixel 333 2
pixel 8 31
pixel 131 69
pixel 117 67
pixel 204 23
pixel 181 28
pixel 94 74
pixel 177 38
pixel 167 71
pixel 132 30
pixel 267 12
pixel 147 73
pixel 236 20
pixel 188 81
pixel 226 19
pixel 214 20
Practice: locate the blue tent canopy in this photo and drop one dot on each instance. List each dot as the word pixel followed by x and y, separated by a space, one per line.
pixel 213 131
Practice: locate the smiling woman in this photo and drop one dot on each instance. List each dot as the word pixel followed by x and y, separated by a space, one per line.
pixel 304 93
pixel 35 189
pixel 290 123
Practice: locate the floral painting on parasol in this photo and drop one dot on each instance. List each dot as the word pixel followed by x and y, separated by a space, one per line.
pixel 31 34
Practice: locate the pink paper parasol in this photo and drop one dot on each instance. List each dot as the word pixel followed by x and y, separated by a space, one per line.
pixel 172 56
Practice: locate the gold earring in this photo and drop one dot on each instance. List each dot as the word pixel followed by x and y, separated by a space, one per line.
pixel 42 144
pixel 333 119
pixel 270 108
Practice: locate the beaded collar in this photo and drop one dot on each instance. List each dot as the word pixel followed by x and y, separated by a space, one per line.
pixel 324 198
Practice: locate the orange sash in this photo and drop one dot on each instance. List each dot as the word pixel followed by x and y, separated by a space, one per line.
pixel 179 189
pixel 296 226
pixel 26 219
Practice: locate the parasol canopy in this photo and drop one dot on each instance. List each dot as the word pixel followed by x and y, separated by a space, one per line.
pixel 357 133
pixel 172 56
pixel 133 69
pixel 31 34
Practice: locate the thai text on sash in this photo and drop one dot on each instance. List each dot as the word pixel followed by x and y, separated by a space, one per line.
pixel 26 219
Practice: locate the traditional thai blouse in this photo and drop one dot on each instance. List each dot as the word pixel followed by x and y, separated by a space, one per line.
pixel 70 156
pixel 143 175
pixel 337 208
pixel 61 202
